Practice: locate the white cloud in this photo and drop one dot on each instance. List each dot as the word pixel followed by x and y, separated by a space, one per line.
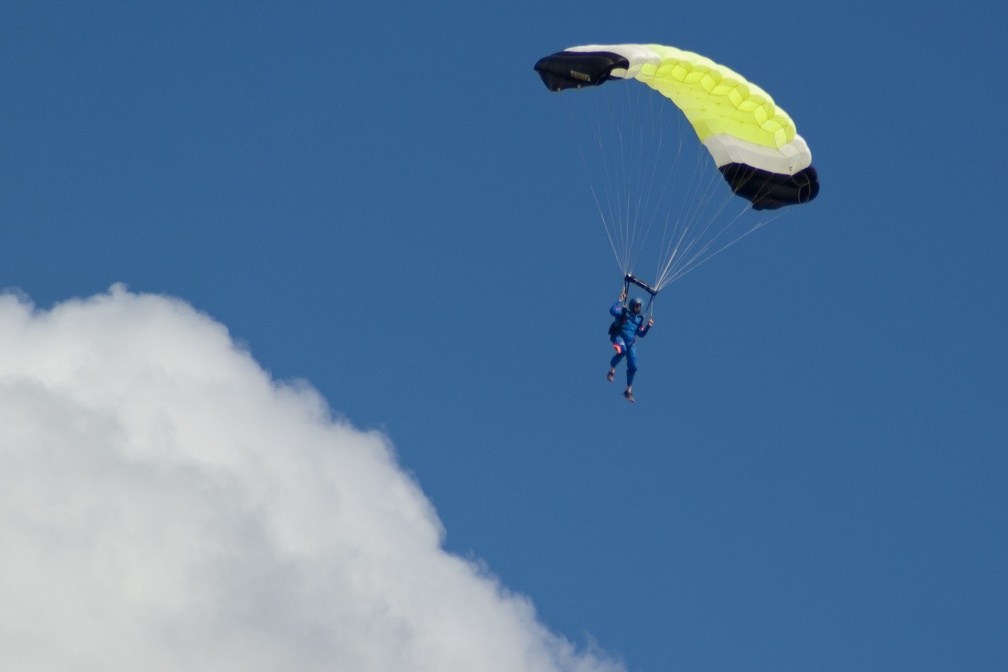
pixel 164 505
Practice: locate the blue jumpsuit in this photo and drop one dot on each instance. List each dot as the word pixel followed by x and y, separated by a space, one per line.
pixel 632 327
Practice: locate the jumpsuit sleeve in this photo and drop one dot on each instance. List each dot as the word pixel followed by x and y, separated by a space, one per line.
pixel 617 309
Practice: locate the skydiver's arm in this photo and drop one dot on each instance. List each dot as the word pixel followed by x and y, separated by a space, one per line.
pixel 617 309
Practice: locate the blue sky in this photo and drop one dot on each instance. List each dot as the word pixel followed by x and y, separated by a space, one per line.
pixel 384 201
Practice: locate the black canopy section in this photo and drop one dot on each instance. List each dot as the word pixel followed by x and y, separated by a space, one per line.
pixel 769 191
pixel 575 69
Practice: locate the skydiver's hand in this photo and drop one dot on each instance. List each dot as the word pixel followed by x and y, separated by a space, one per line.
pixel 650 322
pixel 622 297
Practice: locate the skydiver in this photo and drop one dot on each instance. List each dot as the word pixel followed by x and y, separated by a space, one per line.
pixel 628 326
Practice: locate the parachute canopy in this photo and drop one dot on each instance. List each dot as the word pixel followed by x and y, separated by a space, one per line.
pixel 753 142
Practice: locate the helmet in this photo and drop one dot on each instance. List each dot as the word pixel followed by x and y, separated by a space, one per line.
pixel 636 305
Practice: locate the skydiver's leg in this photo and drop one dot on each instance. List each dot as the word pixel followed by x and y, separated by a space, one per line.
pixel 621 352
pixel 631 365
pixel 617 343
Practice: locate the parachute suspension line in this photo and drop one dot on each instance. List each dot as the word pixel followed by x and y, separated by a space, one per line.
pixel 608 221
pixel 614 163
pixel 626 107
pixel 627 160
pixel 697 250
pixel 629 163
pixel 642 109
pixel 598 205
pixel 701 245
pixel 651 198
pixel 724 247
pixel 622 168
pixel 671 239
pixel 703 256
pixel 641 180
pixel 699 234
pixel 700 241
pixel 695 198
pixel 630 157
pixel 688 229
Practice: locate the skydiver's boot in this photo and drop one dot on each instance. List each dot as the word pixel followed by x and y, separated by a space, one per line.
pixel 611 375
pixel 628 395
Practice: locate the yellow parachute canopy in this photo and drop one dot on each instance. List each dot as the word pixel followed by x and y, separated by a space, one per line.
pixel 753 142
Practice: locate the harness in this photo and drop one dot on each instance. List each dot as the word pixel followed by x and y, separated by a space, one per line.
pixel 617 326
